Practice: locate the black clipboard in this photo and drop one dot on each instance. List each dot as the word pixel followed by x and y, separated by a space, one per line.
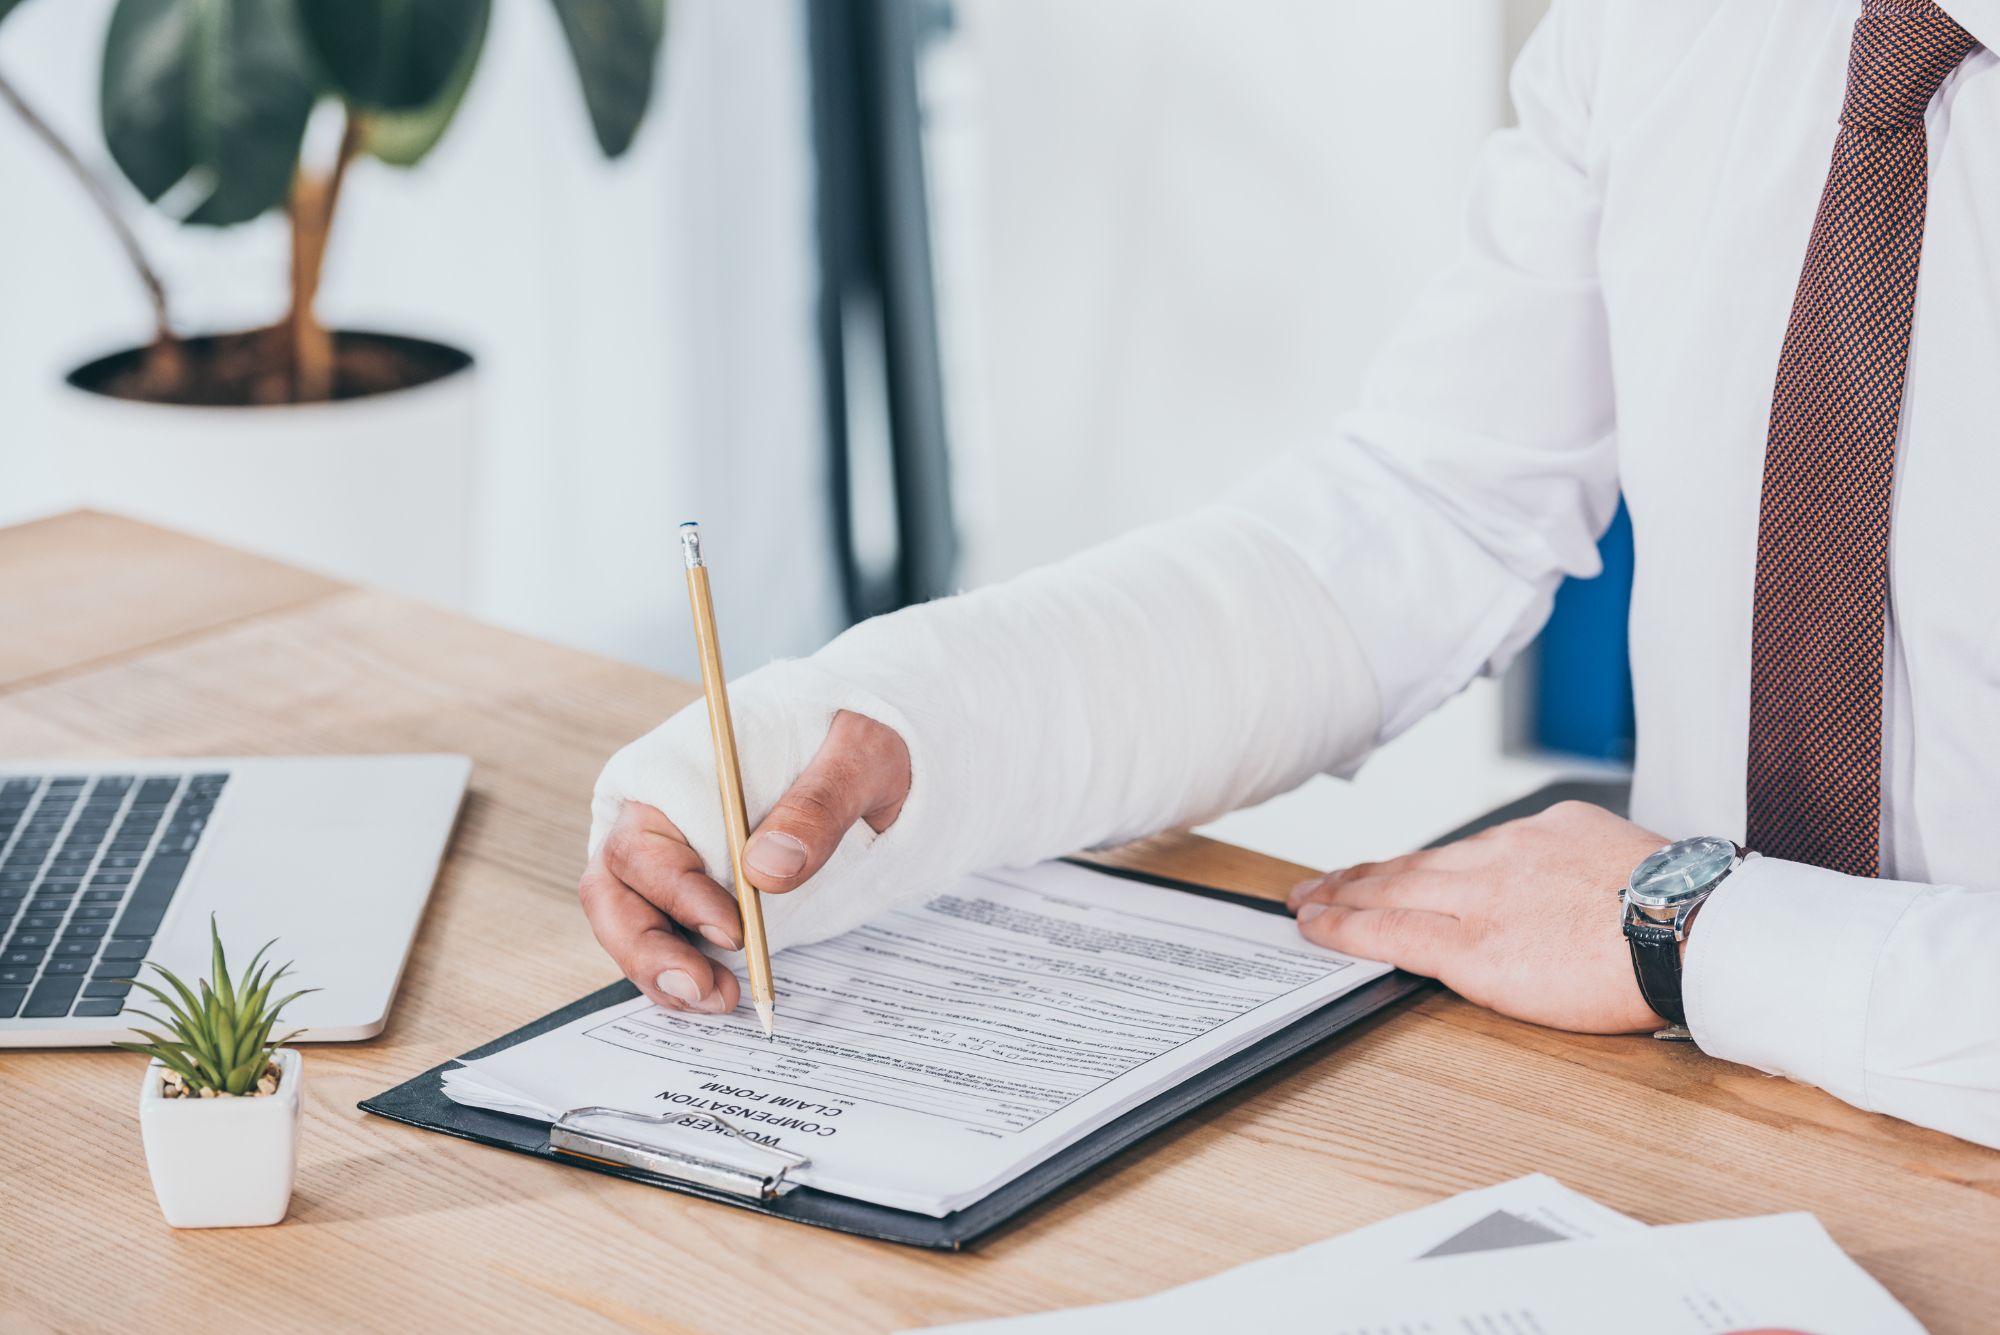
pixel 421 1102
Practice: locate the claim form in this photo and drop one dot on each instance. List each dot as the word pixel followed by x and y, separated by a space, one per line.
pixel 944 1048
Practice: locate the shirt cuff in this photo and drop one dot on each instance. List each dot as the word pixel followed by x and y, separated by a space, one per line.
pixel 1780 966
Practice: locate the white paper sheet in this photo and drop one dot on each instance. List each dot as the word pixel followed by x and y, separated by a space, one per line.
pixel 1777 1272
pixel 943 1049
pixel 1336 1265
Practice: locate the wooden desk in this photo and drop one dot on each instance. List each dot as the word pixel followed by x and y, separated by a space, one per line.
pixel 121 639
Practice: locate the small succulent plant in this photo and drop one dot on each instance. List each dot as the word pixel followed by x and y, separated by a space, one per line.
pixel 222 1037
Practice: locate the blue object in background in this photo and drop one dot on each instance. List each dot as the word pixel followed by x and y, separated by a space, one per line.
pixel 1583 684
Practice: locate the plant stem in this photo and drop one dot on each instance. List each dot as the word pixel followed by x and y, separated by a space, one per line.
pixel 164 363
pixel 314 199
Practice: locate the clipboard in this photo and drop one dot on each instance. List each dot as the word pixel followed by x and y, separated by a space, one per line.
pixel 421 1102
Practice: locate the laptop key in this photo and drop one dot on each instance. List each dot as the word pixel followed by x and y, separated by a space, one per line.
pixel 88 912
pixel 66 968
pixel 148 905
pixel 10 1001
pixel 97 1007
pixel 40 922
pixel 130 951
pixel 156 790
pixel 20 958
pixel 106 895
pixel 31 940
pixel 106 988
pixel 116 971
pixel 84 949
pixel 20 976
pixel 85 931
pixel 51 998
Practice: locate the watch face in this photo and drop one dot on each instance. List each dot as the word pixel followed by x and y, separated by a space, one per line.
pixel 1681 870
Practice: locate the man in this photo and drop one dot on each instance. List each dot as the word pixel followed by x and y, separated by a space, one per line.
pixel 1740 258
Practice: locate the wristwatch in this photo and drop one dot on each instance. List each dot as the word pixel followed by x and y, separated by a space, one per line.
pixel 1664 892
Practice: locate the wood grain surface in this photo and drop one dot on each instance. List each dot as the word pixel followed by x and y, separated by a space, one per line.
pixel 123 640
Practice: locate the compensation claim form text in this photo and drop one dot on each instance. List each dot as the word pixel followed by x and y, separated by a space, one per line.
pixel 941 1050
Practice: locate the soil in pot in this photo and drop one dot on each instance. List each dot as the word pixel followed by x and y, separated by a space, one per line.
pixel 173 1087
pixel 253 369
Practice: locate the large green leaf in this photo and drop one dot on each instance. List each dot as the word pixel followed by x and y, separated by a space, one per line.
pixel 616 47
pixel 403 138
pixel 393 55
pixel 213 92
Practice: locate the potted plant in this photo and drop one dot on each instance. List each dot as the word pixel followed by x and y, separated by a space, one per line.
pixel 219 1109
pixel 344 449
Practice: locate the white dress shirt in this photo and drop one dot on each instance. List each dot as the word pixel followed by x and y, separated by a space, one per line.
pixel 1614 322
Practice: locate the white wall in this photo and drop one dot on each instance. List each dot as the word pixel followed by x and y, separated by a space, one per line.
pixel 1196 222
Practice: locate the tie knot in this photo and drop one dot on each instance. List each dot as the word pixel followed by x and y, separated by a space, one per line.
pixel 1903 49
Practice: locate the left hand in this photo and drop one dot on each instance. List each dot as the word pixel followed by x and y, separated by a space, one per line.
pixel 1522 918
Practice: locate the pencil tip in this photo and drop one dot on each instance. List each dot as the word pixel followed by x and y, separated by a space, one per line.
pixel 767 1013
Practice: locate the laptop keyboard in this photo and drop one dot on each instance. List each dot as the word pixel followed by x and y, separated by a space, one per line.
pixel 87 869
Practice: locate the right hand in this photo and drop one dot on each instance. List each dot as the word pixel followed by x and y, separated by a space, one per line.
pixel 646 886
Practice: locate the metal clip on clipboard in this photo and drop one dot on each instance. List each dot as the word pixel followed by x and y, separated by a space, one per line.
pixel 565 1137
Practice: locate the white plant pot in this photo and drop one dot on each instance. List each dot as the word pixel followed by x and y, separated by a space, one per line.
pixel 224 1162
pixel 379 489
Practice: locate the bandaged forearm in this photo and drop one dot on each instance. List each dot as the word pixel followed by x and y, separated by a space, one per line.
pixel 1157 680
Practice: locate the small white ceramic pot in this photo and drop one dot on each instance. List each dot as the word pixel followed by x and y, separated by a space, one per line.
pixel 224 1162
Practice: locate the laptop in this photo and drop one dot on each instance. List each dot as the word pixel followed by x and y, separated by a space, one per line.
pixel 106 865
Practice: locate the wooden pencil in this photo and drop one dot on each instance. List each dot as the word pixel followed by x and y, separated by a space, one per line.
pixel 729 776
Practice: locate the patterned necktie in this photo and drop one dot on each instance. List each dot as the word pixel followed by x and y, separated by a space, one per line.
pixel 1815 772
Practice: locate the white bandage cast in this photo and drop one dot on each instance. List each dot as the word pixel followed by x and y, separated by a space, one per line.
pixel 1154 681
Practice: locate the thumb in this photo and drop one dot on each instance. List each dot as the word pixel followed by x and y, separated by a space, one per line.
pixel 861 772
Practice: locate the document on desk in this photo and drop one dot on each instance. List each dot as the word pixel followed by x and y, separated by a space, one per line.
pixel 941 1050
pixel 1528 1257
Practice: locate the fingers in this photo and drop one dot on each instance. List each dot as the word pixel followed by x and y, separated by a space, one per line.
pixel 646 852
pixel 1425 943
pixel 646 948
pixel 1431 891
pixel 862 772
pixel 1462 855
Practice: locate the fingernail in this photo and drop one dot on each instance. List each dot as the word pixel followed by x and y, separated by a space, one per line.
pixel 1309 912
pixel 1300 891
pixel 716 936
pixel 679 986
pixel 712 1003
pixel 775 854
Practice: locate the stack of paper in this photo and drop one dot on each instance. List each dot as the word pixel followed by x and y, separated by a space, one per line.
pixel 1528 1257
pixel 944 1049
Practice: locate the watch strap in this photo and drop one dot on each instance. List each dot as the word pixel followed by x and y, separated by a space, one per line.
pixel 1656 959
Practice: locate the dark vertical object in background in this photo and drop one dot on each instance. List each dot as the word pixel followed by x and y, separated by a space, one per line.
pixel 877 319
pixel 1583 687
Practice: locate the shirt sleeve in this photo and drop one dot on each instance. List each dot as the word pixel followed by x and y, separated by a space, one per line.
pixel 1882 993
